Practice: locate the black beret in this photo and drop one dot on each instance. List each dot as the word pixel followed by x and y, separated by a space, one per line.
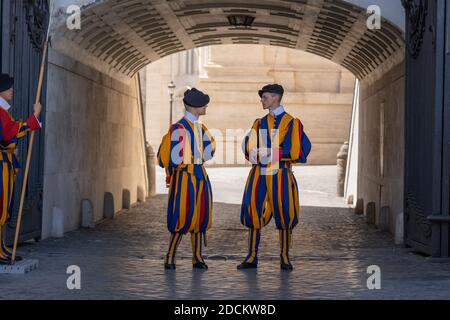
pixel 272 88
pixel 6 82
pixel 195 98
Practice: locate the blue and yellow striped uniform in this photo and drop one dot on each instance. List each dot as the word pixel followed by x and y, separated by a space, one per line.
pixel 271 189
pixel 182 153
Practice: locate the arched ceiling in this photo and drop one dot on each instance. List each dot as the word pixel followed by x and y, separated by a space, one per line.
pixel 119 37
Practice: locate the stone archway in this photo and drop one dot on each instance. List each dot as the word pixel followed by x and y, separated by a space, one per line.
pixel 118 38
pixel 121 37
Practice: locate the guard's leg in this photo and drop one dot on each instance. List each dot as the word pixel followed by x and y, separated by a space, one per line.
pixel 255 213
pixel 7 183
pixel 285 243
pixel 175 239
pixel 284 198
pixel 4 249
pixel 197 259
pixel 5 256
pixel 254 237
pixel 251 261
pixel 254 202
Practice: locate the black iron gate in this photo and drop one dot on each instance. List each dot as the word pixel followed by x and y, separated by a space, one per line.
pixel 427 128
pixel 446 124
pixel 22 28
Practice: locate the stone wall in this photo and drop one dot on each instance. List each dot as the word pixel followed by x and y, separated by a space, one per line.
pixel 381 160
pixel 94 142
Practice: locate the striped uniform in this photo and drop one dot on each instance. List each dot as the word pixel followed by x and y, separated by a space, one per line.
pixel 182 153
pixel 271 189
pixel 10 133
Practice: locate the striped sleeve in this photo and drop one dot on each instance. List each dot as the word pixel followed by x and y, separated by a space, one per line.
pixel 251 140
pixel 291 147
pixel 209 146
pixel 171 151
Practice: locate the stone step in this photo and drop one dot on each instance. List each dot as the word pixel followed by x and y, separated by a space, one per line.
pixel 20 267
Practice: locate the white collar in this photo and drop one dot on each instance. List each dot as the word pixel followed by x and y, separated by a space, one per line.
pixel 4 104
pixel 190 117
pixel 276 112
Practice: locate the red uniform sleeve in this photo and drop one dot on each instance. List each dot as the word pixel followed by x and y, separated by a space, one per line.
pixel 11 128
pixel 33 123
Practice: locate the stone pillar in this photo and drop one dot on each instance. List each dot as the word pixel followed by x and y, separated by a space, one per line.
pixel 204 55
pixel 385 218
pixel 108 206
pixel 371 213
pixel 359 208
pixel 57 223
pixel 341 169
pixel 87 214
pixel 151 160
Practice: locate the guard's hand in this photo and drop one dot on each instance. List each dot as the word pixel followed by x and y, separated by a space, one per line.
pixel 264 155
pixel 253 156
pixel 264 152
pixel 37 109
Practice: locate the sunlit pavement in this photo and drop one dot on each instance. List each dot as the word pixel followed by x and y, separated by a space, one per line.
pixel 332 249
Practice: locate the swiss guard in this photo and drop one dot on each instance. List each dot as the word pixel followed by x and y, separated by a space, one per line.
pixel 10 132
pixel 273 145
pixel 182 153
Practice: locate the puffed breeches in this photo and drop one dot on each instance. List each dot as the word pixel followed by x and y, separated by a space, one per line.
pixel 268 196
pixel 190 204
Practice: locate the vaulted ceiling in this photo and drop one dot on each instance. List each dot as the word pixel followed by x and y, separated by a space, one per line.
pixel 123 36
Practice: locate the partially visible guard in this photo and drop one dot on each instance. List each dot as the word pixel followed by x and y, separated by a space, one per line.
pixel 10 133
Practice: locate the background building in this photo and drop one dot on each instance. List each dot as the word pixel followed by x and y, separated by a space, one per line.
pixel 318 91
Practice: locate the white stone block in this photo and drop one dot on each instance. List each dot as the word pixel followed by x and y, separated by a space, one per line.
pixel 57 223
pixel 87 214
pixel 399 231
pixel 20 267
pixel 384 218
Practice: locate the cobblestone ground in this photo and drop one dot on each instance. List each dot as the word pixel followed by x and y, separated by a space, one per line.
pixel 123 258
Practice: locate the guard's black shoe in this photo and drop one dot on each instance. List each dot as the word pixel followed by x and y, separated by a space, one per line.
pixel 286 266
pixel 247 265
pixel 4 261
pixel 200 265
pixel 169 266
